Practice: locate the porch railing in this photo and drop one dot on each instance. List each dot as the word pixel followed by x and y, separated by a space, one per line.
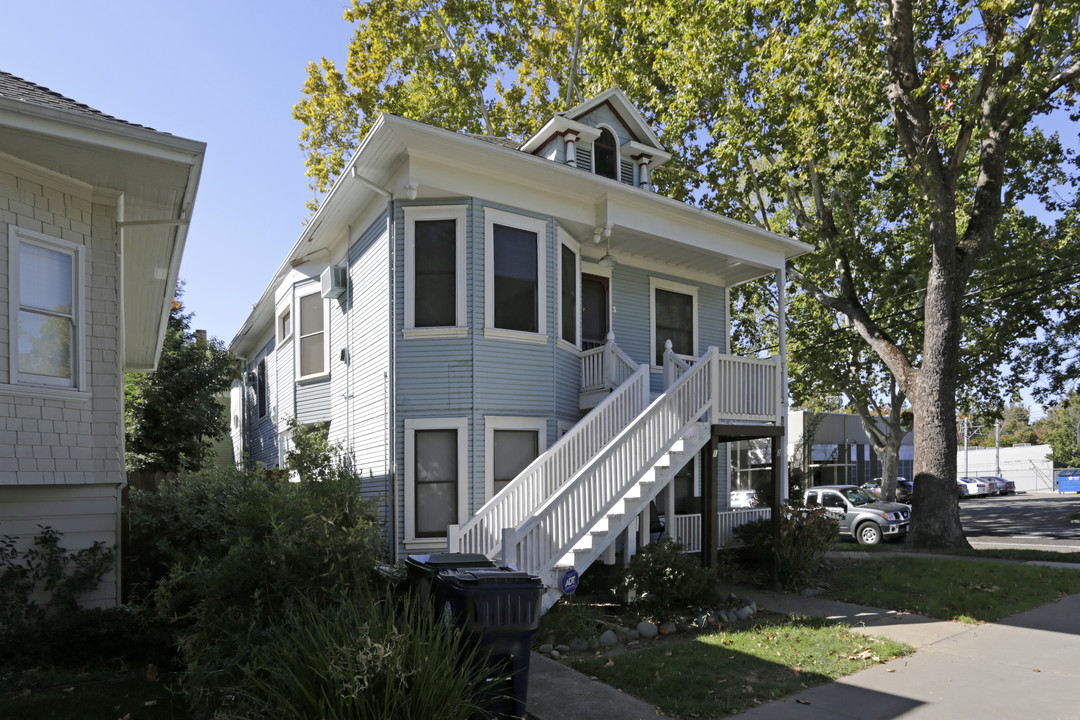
pixel 687 529
pixel 605 367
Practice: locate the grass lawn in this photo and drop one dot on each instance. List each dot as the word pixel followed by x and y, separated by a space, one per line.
pixel 951 589
pixel 714 675
pixel 92 696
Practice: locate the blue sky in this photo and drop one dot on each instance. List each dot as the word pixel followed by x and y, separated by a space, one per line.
pixel 227 73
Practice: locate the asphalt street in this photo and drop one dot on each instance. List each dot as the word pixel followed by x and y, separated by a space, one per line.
pixel 1036 521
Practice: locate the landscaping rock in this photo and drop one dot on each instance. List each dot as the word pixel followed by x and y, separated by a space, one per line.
pixel 579 644
pixel 562 648
pixel 545 649
pixel 684 628
pixel 647 630
pixel 555 655
pixel 744 612
pixel 608 639
pixel 810 592
pixel 668 628
pixel 632 635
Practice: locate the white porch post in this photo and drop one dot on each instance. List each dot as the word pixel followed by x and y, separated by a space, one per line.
pixel 644 525
pixel 781 323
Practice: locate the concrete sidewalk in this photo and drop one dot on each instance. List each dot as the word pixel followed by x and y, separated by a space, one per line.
pixel 1025 666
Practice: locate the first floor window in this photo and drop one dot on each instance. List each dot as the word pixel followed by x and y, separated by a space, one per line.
pixel 312 334
pixel 45 290
pixel 514 450
pixel 435 469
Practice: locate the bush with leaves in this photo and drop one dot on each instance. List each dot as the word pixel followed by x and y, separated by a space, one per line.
pixel 246 545
pixel 666 579
pixel 806 534
pixel 358 657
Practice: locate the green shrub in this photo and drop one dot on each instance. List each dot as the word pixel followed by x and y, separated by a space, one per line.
pixel 47 571
pixel 806 534
pixel 360 657
pixel 666 579
pixel 244 555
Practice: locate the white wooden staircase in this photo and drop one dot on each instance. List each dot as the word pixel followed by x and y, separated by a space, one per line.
pixel 568 506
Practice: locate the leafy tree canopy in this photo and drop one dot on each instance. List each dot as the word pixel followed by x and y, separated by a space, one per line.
pixel 1058 430
pixel 171 415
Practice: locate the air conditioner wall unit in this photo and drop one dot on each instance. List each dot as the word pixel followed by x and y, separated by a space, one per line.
pixel 335 280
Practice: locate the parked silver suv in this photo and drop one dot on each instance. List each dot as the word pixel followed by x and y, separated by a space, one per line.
pixel 860 514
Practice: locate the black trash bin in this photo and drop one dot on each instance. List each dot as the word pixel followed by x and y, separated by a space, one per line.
pixel 498 610
pixel 422 569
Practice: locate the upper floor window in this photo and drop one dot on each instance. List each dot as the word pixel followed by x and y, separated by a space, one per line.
pixel 435 267
pixel 45 294
pixel 311 334
pixel 261 388
pixel 285 325
pixel 515 283
pixel 568 293
pixel 606 155
pixel 674 318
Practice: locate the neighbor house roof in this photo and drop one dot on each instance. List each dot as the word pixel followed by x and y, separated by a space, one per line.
pixel 150 176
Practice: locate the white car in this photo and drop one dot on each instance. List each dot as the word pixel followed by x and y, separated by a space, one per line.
pixel 742 499
pixel 976 486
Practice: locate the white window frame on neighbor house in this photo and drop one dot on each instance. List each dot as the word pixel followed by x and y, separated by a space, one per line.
pixel 459 424
pixel 457 213
pixel 299 333
pixel 655 284
pixel 492 218
pixel 565 240
pixel 18 240
pixel 494 423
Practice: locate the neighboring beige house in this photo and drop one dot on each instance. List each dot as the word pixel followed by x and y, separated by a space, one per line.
pixel 94 212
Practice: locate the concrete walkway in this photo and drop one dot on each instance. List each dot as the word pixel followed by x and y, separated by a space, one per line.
pixel 1025 666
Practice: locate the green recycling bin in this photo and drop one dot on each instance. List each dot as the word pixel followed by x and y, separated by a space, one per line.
pixel 498 611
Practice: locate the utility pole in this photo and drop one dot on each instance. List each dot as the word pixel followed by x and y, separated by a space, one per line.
pixel 997 447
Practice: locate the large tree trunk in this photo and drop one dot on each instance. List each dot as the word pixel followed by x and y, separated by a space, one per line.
pixel 935 521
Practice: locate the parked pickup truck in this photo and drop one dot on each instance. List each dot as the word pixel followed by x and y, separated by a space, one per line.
pixel 860 515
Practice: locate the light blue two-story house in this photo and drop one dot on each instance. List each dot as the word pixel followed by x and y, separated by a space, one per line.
pixel 522 347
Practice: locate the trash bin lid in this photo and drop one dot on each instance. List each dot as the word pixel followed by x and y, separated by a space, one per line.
pixel 451 560
pixel 489 576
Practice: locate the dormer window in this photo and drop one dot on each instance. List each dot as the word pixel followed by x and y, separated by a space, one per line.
pixel 606 155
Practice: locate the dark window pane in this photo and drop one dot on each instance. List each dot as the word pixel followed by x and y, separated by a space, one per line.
pixel 569 295
pixel 260 388
pixel 675 322
pixel 436 481
pixel 435 251
pixel 515 274
pixel 605 152
pixel 513 451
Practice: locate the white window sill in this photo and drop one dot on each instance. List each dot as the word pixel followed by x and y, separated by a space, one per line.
pixel 433 544
pixel 515 336
pixel 48 393
pixel 434 332
pixel 567 346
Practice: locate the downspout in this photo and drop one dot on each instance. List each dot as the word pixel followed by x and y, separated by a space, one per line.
pixel 781 326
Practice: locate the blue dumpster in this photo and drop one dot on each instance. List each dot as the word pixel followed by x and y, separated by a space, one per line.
pixel 498 611
pixel 1069 482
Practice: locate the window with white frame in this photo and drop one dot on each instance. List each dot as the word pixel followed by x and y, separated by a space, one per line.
pixel 284 325
pixel 674 317
pixel 46 290
pixel 511 443
pixel 435 476
pixel 312 339
pixel 606 154
pixel 569 288
pixel 515 282
pixel 434 267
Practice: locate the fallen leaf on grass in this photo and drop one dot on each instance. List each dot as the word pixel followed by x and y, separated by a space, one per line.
pixel 609 663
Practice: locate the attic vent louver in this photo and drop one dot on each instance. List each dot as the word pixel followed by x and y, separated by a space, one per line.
pixel 335 280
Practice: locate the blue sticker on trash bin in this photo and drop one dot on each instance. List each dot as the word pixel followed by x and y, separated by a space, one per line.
pixel 569 581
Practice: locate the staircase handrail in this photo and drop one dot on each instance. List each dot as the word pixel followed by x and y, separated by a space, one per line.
pixel 567 516
pixel 605 366
pixel 516 502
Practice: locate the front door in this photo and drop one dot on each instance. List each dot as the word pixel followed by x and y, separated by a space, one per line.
pixel 595 311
